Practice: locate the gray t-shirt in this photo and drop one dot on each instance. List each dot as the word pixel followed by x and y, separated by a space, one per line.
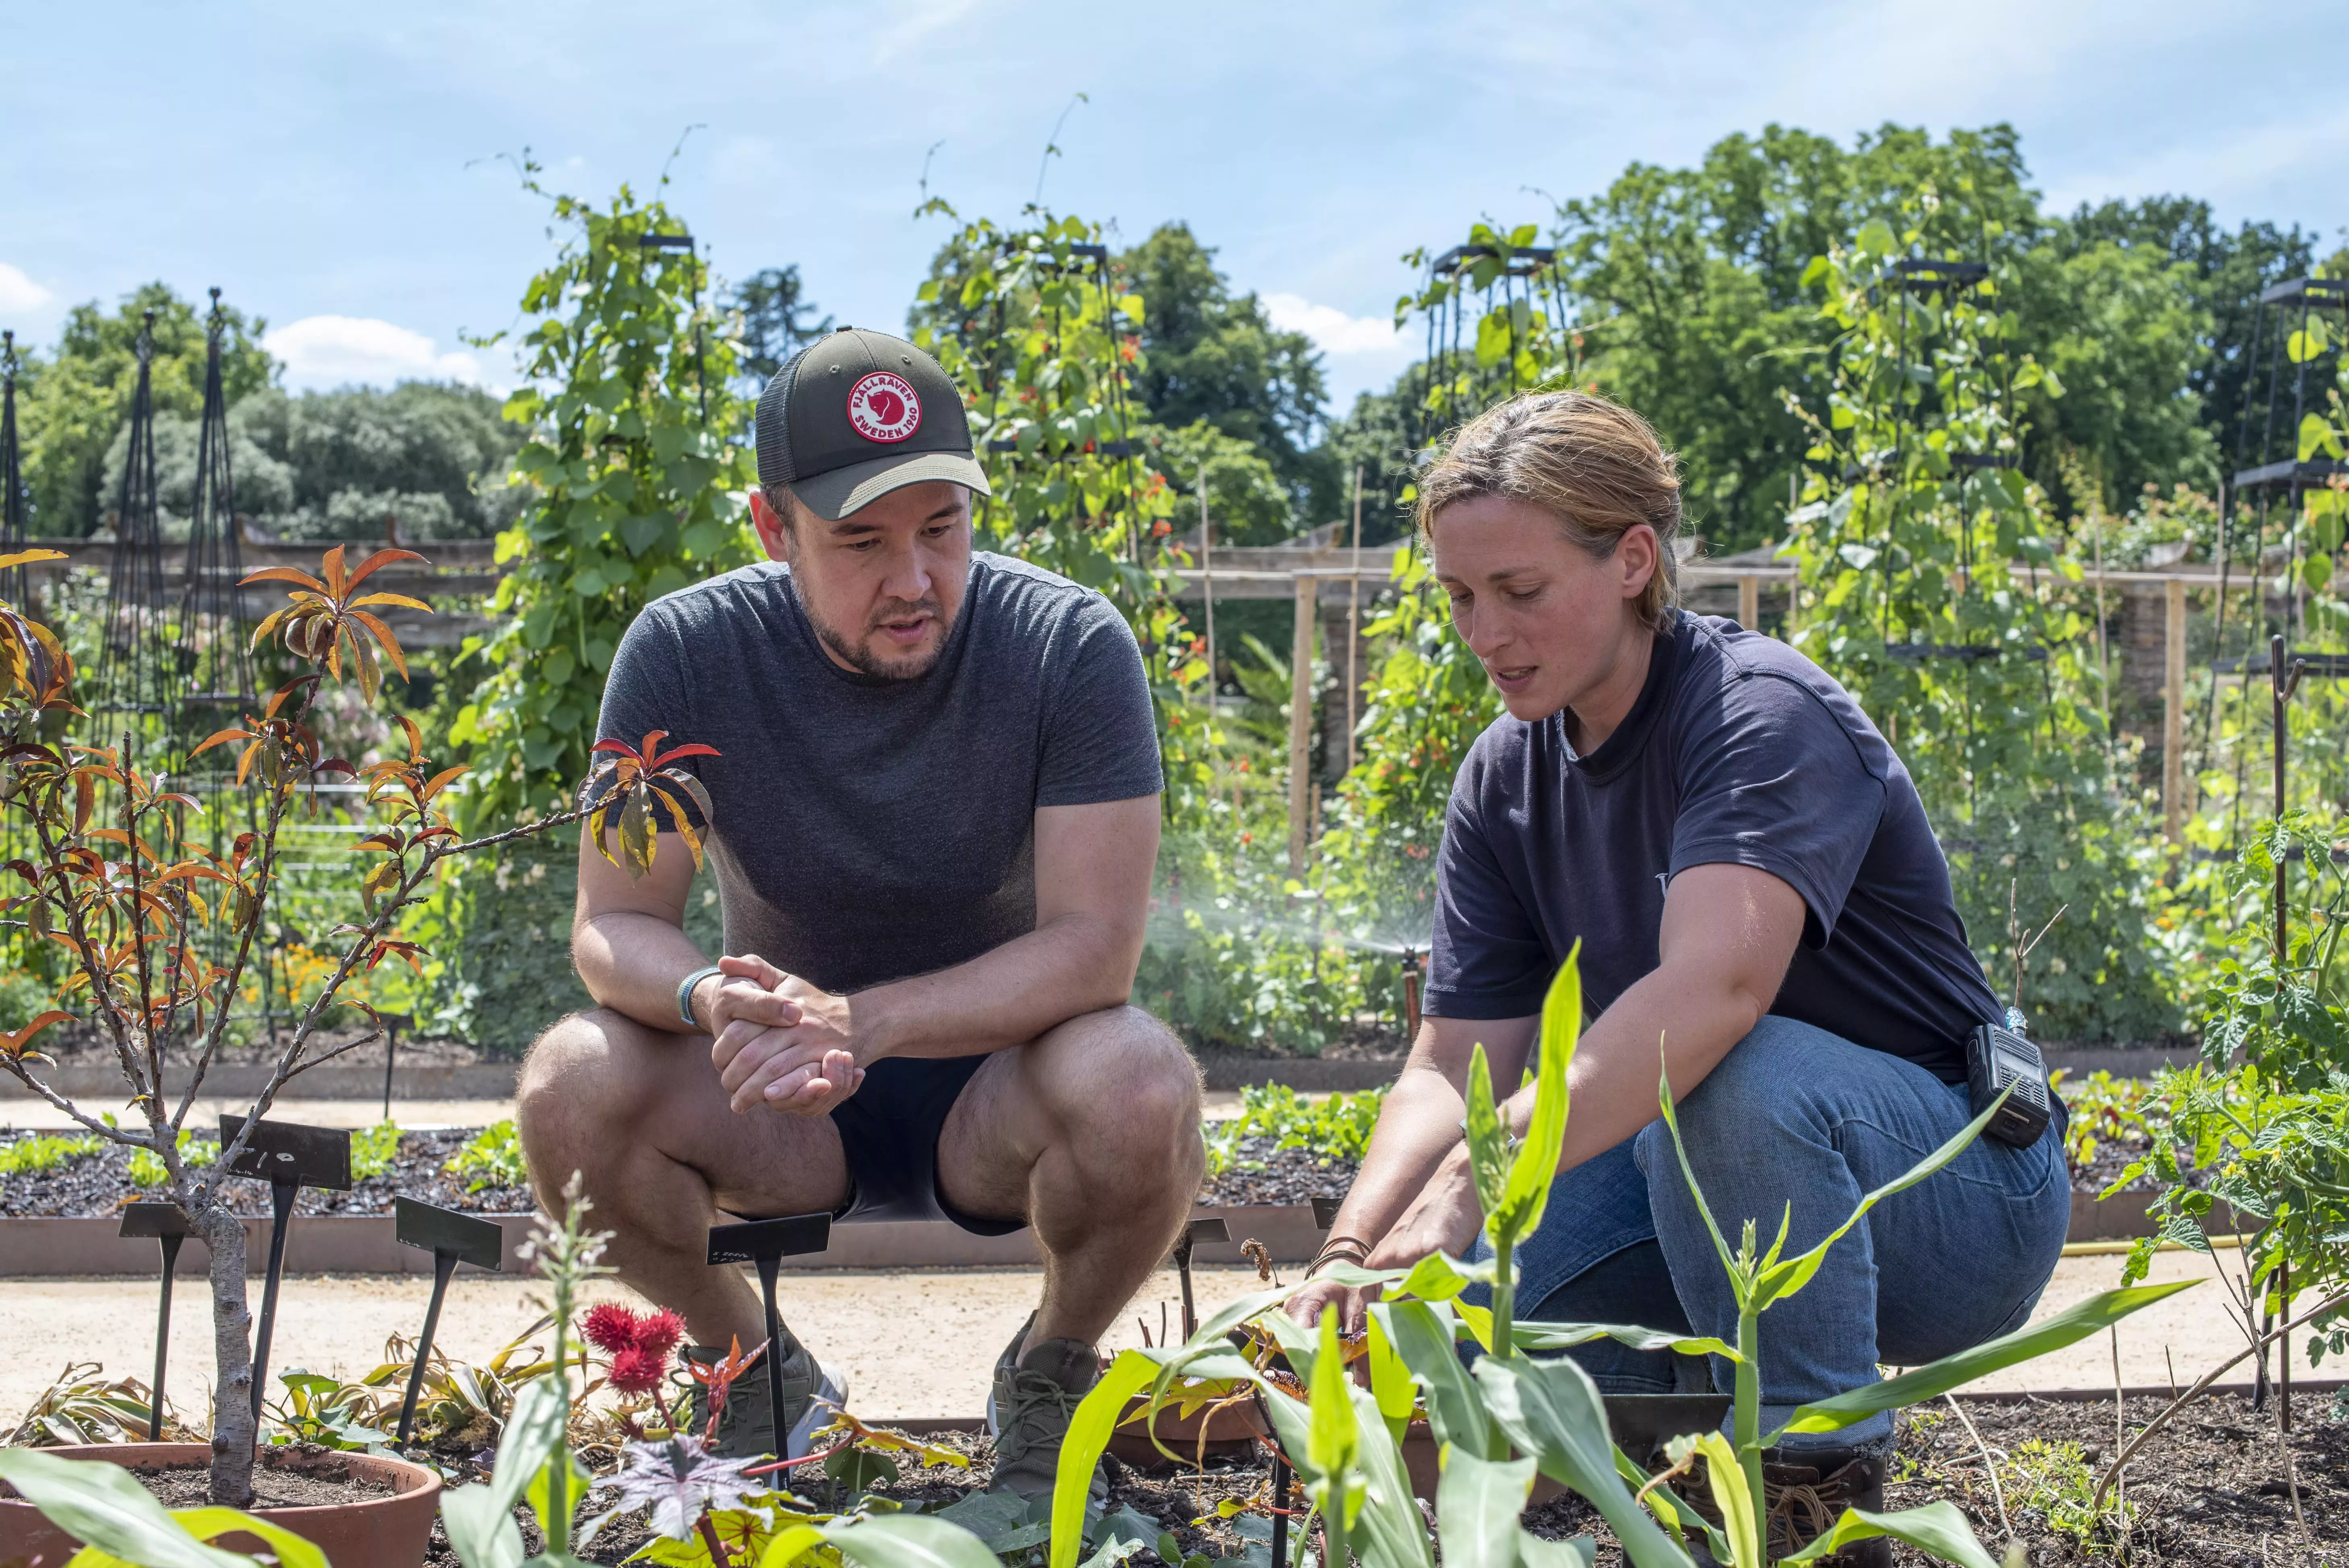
pixel 1739 751
pixel 868 829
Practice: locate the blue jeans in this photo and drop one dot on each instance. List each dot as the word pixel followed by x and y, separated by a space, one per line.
pixel 1794 1114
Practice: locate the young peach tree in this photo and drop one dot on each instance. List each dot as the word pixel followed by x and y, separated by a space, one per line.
pixel 158 931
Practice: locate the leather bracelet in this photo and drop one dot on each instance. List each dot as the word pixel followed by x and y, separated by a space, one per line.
pixel 1350 1249
pixel 684 995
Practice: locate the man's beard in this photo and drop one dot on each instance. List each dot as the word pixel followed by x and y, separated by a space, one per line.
pixel 860 657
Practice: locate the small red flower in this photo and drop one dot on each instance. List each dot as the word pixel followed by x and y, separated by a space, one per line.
pixel 661 1332
pixel 609 1327
pixel 638 1370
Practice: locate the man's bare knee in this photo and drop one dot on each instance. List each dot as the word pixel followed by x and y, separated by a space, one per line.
pixel 574 1084
pixel 1122 1066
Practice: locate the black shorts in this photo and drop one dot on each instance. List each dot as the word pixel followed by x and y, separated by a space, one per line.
pixel 889 1130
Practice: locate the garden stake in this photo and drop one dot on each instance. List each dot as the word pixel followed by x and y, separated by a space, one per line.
pixel 390 1022
pixel 170 1227
pixel 289 1157
pixel 451 1238
pixel 1325 1213
pixel 767 1242
pixel 1279 1509
pixel 1195 1233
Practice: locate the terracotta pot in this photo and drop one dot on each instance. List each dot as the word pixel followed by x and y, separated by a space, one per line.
pixel 1227 1429
pixel 390 1531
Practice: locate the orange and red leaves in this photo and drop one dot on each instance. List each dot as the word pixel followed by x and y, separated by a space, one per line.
pixel 329 620
pixel 15 1045
pixel 625 788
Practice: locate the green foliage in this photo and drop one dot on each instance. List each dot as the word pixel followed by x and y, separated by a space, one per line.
pixel 1517 1415
pixel 147 1169
pixel 33 1153
pixel 1332 1128
pixel 84 1406
pixel 1246 498
pixel 633 475
pixel 373 1150
pixel 770 306
pixel 1978 673
pixel 120 1521
pixel 2107 1110
pixel 492 1158
pixel 333 464
pixel 76 400
pixel 2054 1481
pixel 1213 357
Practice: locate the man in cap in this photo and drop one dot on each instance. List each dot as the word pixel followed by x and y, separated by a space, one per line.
pixel 934 816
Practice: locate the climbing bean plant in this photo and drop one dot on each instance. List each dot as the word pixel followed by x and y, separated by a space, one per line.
pixel 635 468
pixel 1931 587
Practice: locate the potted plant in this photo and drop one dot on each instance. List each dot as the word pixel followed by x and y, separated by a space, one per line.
pixel 159 932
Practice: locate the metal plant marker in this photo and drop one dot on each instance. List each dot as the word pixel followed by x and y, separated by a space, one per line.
pixel 289 1157
pixel 1210 1231
pixel 451 1238
pixel 168 1225
pixel 767 1242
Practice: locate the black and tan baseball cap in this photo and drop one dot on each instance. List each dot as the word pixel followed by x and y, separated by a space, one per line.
pixel 857 414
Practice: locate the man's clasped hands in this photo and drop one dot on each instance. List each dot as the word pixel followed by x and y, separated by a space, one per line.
pixel 781 1042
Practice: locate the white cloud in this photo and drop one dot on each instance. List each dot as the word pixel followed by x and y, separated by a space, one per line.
pixel 323 352
pixel 19 293
pixel 1331 329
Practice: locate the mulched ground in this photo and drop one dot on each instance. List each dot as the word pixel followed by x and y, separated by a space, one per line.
pixel 2209 1491
pixel 98 1184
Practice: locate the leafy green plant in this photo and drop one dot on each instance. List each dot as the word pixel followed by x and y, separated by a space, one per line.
pixel 1332 1127
pixel 147 1170
pixel 39 1151
pixel 492 1157
pixel 1514 1415
pixel 374 1150
pixel 85 1406
pixel 2055 1481
pixel 328 1412
pixel 118 1519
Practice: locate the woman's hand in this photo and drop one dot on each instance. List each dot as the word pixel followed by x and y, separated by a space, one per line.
pixel 1443 1218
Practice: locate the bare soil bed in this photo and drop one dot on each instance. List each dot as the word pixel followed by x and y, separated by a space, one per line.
pixel 189 1486
pixel 2209 1491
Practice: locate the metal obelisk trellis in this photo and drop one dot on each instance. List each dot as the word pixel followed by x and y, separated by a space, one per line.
pixel 213 665
pixel 137 679
pixel 13 579
pixel 1465 378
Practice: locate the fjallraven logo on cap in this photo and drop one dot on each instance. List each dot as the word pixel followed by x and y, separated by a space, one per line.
pixel 883 407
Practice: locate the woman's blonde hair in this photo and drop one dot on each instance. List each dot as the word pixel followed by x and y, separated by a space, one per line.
pixel 1595 466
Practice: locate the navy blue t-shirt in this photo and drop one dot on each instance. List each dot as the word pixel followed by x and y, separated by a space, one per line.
pixel 1739 751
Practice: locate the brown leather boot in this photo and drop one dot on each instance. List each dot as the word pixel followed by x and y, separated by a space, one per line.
pixel 1807 1494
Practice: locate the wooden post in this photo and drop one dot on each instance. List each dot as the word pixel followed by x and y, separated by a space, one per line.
pixel 1353 620
pixel 1208 580
pixel 1749 602
pixel 2173 714
pixel 1300 721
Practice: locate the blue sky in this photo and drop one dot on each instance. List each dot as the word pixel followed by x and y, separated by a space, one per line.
pixel 335 168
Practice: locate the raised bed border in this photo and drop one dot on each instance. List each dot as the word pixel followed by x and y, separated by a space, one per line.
pixel 495 1080
pixel 364 1244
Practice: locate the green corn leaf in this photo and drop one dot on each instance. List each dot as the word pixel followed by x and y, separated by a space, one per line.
pixel 1534 1551
pixel 1478 1502
pixel 1390 1531
pixel 482 1534
pixel 1488 1141
pixel 480 1518
pixel 1526 1192
pixel 1434 1278
pixel 1731 1495
pixel 1936 1378
pixel 1390 1381
pixel 1738 1280
pixel 1561 1336
pixel 1785 1279
pixel 1551 1410
pixel 1332 1447
pixel 911 1540
pixel 106 1508
pixel 211 1523
pixel 1424 1335
pixel 1938 1529
pixel 1080 1450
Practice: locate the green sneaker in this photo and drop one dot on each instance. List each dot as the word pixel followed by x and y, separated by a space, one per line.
pixel 1034 1398
pixel 746 1427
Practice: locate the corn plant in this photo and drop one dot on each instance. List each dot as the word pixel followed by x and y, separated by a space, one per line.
pixel 158 930
pixel 1518 1411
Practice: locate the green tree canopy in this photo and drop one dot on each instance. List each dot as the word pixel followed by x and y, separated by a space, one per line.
pixel 76 400
pixel 774 306
pixel 1245 499
pixel 1213 356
